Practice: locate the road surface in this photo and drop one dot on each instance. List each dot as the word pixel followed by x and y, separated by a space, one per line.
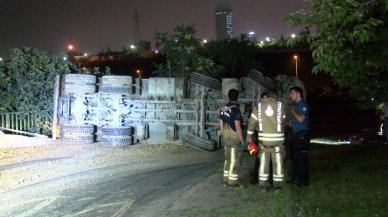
pixel 91 180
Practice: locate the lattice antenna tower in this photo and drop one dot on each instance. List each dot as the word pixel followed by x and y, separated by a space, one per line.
pixel 135 18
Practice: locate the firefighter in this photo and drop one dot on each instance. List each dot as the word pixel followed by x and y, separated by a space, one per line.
pixel 300 141
pixel 231 132
pixel 253 120
pixel 269 118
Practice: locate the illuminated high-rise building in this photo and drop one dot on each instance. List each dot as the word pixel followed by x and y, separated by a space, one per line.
pixel 224 21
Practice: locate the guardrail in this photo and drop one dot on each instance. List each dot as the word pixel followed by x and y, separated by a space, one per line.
pixel 22 121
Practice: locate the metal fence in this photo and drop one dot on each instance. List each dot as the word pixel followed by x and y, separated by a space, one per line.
pixel 22 121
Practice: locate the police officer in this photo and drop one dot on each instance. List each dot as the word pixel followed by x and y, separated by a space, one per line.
pixel 231 132
pixel 269 119
pixel 300 141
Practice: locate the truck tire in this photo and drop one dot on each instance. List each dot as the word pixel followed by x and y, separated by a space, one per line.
pixel 266 82
pixel 79 84
pixel 206 81
pixel 198 142
pixel 78 128
pixel 80 79
pixel 117 131
pixel 117 80
pixel 116 84
pixel 118 141
pixel 78 89
pixel 78 138
pixel 78 133
pixel 115 89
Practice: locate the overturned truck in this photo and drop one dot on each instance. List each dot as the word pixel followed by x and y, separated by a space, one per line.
pixel 121 111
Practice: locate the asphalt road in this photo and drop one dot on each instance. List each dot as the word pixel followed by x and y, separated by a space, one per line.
pixel 145 188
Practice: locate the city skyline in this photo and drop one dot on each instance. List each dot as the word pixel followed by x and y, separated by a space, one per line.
pixel 92 26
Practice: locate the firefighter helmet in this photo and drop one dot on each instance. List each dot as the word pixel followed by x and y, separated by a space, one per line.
pixel 253 149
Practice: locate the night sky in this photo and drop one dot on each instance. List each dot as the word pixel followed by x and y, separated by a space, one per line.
pixel 94 25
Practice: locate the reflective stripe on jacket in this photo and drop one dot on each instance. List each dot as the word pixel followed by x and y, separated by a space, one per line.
pixel 270 124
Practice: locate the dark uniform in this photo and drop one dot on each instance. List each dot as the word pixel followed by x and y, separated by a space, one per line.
pixel 232 144
pixel 385 110
pixel 300 144
pixel 269 119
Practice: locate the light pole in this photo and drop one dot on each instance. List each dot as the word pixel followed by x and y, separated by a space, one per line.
pixel 296 65
pixel 138 71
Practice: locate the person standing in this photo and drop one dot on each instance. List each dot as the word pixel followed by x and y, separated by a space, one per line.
pixel 269 119
pixel 252 137
pixel 300 141
pixel 232 137
pixel 385 110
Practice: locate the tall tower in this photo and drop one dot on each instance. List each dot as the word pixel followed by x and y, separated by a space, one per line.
pixel 224 21
pixel 137 27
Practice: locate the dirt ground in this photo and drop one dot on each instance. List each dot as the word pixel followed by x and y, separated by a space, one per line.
pixel 58 179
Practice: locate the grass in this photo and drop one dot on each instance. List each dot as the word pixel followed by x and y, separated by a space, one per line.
pixel 345 181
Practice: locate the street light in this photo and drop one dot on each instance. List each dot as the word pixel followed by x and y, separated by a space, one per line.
pixel 296 65
pixel 70 47
pixel 204 41
pixel 138 71
pixel 293 35
pixel 132 46
pixel 268 39
pixel 1 59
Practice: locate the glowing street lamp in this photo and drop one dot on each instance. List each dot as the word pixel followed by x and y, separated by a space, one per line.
pixel 268 39
pixel 64 58
pixel 138 71
pixel 85 54
pixel 133 47
pixel 70 47
pixel 1 59
pixel 293 35
pixel 296 65
pixel 204 41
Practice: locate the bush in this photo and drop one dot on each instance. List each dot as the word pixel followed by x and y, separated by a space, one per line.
pixel 26 83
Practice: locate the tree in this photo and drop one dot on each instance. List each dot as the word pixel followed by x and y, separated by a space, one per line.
pixel 182 51
pixel 27 82
pixel 350 42
pixel 236 56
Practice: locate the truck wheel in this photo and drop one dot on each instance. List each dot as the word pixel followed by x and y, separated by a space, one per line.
pixel 80 79
pixel 116 140
pixel 198 142
pixel 117 131
pixel 206 81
